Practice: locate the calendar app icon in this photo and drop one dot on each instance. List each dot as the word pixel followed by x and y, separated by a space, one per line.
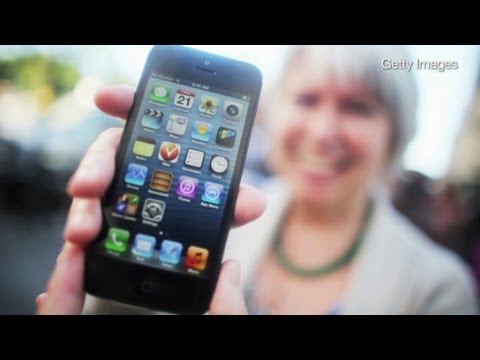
pixel 184 99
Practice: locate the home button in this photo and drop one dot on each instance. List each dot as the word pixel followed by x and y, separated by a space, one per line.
pixel 147 287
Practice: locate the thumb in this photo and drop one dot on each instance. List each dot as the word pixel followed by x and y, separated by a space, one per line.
pixel 228 297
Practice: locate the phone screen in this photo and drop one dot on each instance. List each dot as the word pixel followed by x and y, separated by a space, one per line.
pixel 171 190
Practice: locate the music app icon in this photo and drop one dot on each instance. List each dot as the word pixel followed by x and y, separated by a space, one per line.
pixel 187 187
pixel 196 258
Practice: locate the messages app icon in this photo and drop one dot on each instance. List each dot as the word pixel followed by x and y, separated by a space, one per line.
pixel 160 93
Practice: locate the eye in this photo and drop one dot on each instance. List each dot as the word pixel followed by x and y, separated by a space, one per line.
pixel 307 100
pixel 357 107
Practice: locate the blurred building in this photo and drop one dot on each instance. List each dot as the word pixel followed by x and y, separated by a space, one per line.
pixel 464 175
pixel 465 165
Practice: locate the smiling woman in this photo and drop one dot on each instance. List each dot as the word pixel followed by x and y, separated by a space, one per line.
pixel 330 242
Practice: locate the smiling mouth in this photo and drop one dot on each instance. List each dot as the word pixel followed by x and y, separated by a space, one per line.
pixel 323 169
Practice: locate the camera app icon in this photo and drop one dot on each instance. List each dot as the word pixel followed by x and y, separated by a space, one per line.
pixel 233 110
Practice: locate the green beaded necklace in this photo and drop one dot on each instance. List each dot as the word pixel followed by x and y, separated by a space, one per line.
pixel 345 259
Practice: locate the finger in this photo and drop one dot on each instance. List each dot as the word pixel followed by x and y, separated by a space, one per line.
pixel 65 290
pixel 250 206
pixel 40 301
pixel 96 169
pixel 84 221
pixel 228 297
pixel 115 100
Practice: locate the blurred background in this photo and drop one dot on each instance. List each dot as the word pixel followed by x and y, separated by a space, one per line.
pixel 48 120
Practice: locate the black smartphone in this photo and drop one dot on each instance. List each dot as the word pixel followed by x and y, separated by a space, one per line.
pixel 167 213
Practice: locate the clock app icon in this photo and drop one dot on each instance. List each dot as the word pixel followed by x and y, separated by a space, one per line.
pixel 219 165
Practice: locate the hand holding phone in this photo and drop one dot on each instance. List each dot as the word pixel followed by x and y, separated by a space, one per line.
pixel 68 275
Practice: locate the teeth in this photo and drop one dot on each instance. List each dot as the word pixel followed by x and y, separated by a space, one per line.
pixel 319 170
pixel 323 165
pixel 314 162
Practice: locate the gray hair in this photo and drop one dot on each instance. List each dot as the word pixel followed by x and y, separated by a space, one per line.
pixel 396 89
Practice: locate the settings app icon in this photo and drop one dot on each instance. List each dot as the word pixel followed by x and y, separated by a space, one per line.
pixel 153 210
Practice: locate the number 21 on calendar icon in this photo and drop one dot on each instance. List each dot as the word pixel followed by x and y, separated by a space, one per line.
pixel 184 99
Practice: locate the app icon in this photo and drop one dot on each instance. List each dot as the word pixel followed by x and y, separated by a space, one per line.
pixel 226 137
pixel 160 93
pixel 136 174
pixel 201 131
pixel 153 210
pixel 194 158
pixel 152 119
pixel 233 110
pixel 144 246
pixel 187 187
pixel 212 193
pixel 169 152
pixel 117 240
pixel 161 181
pixel 196 258
pixel 209 105
pixel 184 99
pixel 171 252
pixel 127 204
pixel 144 146
pixel 177 125
pixel 219 164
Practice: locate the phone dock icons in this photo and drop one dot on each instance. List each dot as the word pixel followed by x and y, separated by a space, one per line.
pixel 117 240
pixel 196 258
pixel 171 252
pixel 144 246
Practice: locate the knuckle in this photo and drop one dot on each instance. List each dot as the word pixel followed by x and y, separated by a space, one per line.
pixel 109 133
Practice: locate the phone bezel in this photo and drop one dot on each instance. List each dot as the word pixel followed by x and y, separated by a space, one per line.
pixel 156 288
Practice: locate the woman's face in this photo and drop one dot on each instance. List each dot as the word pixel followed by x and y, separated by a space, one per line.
pixel 330 139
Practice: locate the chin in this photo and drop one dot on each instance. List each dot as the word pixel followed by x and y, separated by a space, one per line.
pixel 326 193
pixel 320 199
pixel 320 189
pixel 321 182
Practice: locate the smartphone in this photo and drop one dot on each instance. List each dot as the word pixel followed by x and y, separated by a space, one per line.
pixel 168 210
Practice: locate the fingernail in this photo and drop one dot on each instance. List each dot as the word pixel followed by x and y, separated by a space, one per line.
pixel 68 189
pixel 78 177
pixel 40 298
pixel 235 275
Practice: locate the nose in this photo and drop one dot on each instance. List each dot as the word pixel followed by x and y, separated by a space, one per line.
pixel 323 126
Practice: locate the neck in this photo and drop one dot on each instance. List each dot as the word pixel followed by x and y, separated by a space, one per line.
pixel 314 235
pixel 347 214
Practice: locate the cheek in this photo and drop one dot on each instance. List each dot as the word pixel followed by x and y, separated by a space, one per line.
pixel 284 132
pixel 369 142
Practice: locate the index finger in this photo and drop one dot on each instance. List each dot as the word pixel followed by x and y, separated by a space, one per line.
pixel 115 100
